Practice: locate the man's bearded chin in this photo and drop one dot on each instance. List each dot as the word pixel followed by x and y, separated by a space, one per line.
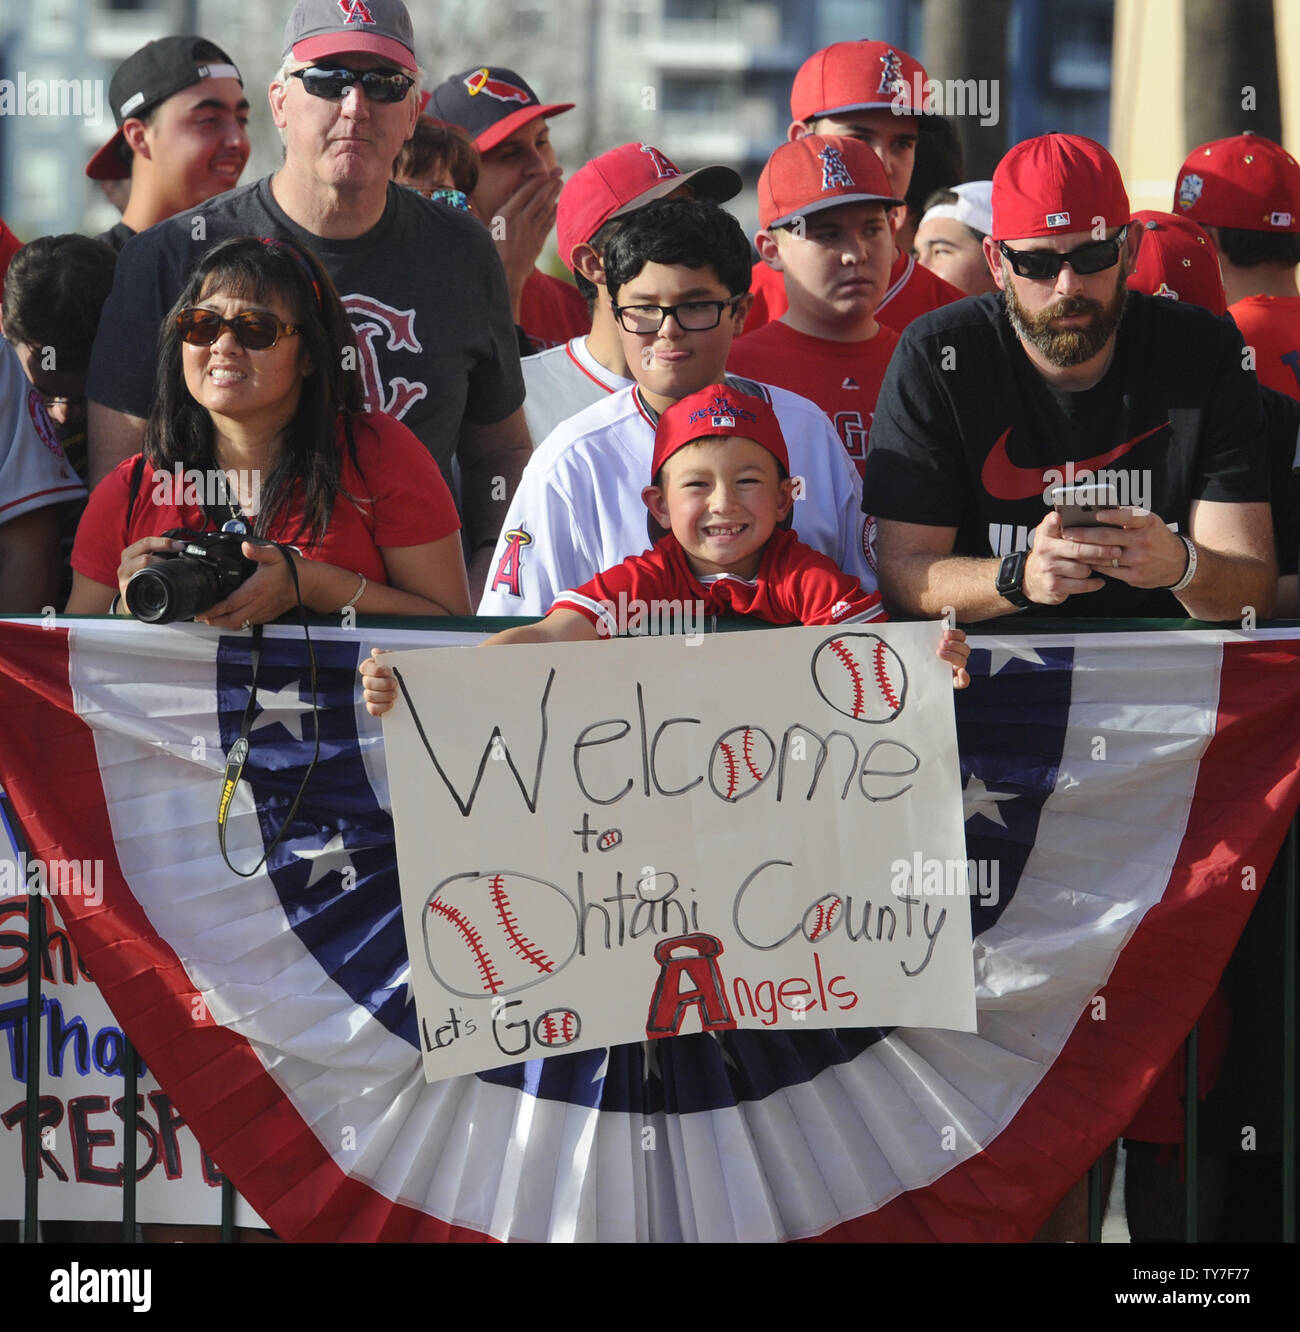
pixel 1069 346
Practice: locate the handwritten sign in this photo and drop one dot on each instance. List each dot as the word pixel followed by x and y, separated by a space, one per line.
pixel 607 842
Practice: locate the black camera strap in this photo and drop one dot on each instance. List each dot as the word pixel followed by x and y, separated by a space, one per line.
pixel 238 755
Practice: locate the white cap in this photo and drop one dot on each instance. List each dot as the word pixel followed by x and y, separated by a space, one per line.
pixel 974 206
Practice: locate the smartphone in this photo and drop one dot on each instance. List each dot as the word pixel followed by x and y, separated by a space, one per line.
pixel 1078 504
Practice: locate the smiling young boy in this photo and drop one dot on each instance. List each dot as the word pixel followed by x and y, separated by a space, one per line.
pixel 721 488
pixel 823 203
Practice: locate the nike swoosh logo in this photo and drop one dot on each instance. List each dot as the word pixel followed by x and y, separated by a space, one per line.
pixel 1004 480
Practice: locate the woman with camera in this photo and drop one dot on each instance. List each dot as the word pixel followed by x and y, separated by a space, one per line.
pixel 258 432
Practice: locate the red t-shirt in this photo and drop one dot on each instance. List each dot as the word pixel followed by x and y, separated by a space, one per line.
pixel 399 499
pixel 1271 324
pixel 9 246
pixel 912 291
pixel 552 311
pixel 794 585
pixel 842 378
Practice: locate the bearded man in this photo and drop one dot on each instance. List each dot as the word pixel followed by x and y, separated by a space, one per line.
pixel 1063 376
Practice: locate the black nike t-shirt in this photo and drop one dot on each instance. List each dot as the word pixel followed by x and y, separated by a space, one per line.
pixel 967 434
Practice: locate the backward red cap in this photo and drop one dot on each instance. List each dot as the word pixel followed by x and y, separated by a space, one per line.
pixel 1177 260
pixel 1055 184
pixel 1247 183
pixel 718 412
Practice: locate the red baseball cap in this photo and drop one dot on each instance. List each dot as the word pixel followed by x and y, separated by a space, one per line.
pixel 489 103
pixel 718 412
pixel 1056 184
pixel 1177 260
pixel 859 76
pixel 625 179
pixel 816 172
pixel 1247 183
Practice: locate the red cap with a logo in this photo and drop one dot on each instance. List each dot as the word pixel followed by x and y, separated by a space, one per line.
pixel 1177 260
pixel 623 180
pixel 816 172
pixel 1056 184
pixel 859 76
pixel 718 412
pixel 1246 183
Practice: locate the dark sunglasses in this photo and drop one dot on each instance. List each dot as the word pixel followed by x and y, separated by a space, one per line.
pixel 254 330
pixel 1095 257
pixel 379 85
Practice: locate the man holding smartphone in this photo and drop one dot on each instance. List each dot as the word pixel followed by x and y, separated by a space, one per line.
pixel 1065 377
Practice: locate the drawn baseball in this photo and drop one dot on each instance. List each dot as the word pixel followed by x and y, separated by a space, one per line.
pixel 861 676
pixel 497 933
pixel 557 1027
pixel 741 761
pixel 609 839
pixel 821 917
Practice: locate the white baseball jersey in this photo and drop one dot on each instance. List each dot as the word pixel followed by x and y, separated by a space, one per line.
pixel 33 469
pixel 560 382
pixel 578 509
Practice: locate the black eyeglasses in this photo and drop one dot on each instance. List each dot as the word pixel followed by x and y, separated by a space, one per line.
pixel 691 316
pixel 332 83
pixel 1095 257
pixel 254 330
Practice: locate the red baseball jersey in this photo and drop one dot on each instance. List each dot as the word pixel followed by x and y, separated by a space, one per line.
pixel 552 311
pixel 912 291
pixel 842 378
pixel 794 585
pixel 1271 325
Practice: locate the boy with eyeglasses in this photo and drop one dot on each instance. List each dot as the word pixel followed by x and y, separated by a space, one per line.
pixel 1065 376
pixel 421 282
pixel 677 274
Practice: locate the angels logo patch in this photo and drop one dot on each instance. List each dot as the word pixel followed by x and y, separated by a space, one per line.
pixel 664 169
pixel 1189 189
pixel 44 426
pixel 891 73
pixel 834 173
pixel 510 565
pixel 355 11
pixel 481 81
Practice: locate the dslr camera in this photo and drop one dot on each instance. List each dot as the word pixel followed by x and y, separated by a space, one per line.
pixel 184 583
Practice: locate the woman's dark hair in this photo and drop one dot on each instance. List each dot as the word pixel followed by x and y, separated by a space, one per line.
pixel 54 292
pixel 179 430
pixel 433 145
pixel 1248 249
pixel 692 233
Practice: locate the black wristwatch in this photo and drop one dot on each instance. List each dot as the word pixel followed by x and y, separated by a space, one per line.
pixel 1011 577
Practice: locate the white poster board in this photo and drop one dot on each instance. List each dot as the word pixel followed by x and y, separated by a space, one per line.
pixel 607 842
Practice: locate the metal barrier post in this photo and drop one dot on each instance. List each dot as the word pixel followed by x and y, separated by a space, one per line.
pixel 1191 1137
pixel 1288 1036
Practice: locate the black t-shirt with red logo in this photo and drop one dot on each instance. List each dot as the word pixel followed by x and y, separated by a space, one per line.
pixel 967 434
